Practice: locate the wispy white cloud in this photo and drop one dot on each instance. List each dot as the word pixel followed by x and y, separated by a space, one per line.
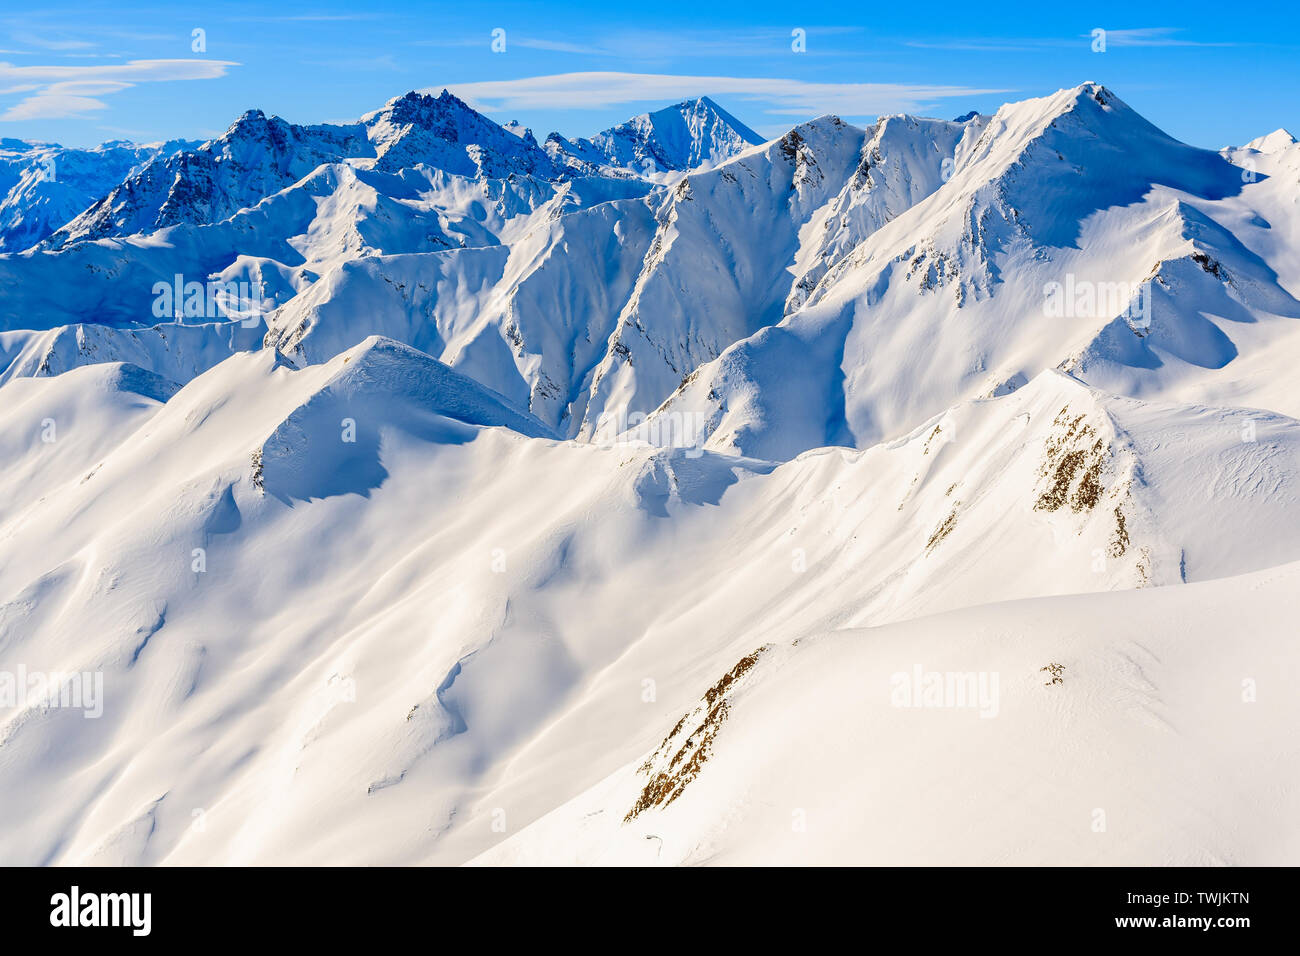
pixel 1138 37
pixel 306 18
pixel 993 45
pixel 59 92
pixel 779 96
pixel 52 43
pixel 557 46
pixel 650 46
pixel 1153 36
pixel 380 62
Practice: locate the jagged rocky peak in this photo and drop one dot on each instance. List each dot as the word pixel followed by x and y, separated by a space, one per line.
pixel 516 128
pixel 445 132
pixel 248 122
pixel 422 109
pixel 446 114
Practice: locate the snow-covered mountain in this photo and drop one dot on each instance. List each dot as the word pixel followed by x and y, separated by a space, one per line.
pixel 255 157
pixel 1071 234
pixel 552 497
pixel 688 135
pixel 258 156
pixel 1273 142
pixel 445 133
pixel 45 185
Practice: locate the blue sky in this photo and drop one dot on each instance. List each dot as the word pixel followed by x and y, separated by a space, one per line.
pixel 83 73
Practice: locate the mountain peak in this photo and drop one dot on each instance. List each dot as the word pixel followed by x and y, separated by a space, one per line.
pixel 1277 140
pixel 686 135
pixel 446 132
pixel 705 106
pixel 1088 106
pixel 1091 92
pixel 700 104
pixel 247 120
pixel 420 107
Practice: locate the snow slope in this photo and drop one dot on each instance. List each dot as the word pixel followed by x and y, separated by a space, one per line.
pixel 380 651
pixel 1070 191
pixel 1134 759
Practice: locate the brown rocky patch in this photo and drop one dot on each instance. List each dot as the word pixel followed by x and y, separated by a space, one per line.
pixel 681 756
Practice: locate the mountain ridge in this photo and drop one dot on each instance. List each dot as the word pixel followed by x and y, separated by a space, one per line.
pixel 259 155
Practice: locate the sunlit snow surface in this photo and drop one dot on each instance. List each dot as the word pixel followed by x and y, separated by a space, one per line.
pixel 407 572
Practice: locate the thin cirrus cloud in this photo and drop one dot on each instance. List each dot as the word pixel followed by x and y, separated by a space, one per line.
pixel 658 46
pixel 1138 37
pixel 780 96
pixel 1154 36
pixel 61 92
pixel 48 43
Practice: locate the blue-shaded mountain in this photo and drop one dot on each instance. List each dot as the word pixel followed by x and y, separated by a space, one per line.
pixel 687 135
pixel 260 155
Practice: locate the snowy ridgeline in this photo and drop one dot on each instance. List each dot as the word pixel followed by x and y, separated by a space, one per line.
pixel 416 492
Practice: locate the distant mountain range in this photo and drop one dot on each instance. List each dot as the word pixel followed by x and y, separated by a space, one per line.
pixel 46 186
pixel 57 195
